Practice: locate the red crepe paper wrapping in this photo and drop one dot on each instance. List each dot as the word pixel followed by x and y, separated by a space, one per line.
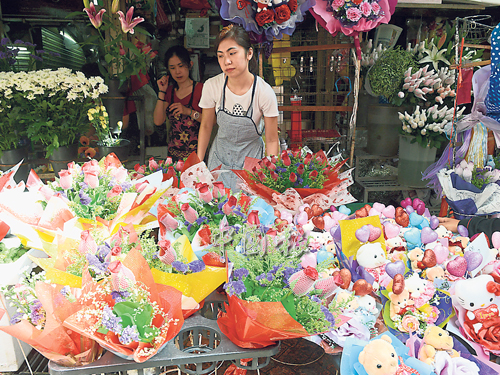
pixel 168 298
pixel 258 324
pixel 55 342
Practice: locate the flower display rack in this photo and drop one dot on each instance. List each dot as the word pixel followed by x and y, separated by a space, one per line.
pixel 208 347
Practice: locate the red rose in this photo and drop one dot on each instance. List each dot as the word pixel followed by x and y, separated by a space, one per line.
pixel 300 169
pixel 282 14
pixel 311 272
pixel 293 177
pixel 357 2
pixel 264 16
pixel 292 4
pixel 313 175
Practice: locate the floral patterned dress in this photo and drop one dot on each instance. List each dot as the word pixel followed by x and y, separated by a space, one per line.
pixel 183 137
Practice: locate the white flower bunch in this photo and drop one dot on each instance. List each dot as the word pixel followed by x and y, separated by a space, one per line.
pixel 369 58
pixel 425 81
pixel 428 120
pixel 464 170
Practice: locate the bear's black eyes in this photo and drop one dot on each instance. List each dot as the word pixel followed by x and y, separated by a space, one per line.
pixel 379 366
pixel 440 334
pixel 491 299
pixel 392 354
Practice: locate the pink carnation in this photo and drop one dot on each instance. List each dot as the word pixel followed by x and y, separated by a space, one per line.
pixel 365 8
pixel 353 14
pixel 375 8
pixel 336 4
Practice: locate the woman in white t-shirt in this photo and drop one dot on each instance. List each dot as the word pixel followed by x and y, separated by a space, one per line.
pixel 237 100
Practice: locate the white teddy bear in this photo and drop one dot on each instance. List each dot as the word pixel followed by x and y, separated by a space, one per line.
pixel 372 258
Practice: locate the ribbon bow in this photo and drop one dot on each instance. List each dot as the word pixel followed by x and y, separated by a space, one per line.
pixel 404 369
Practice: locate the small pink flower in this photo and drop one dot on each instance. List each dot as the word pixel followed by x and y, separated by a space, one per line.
pixel 179 165
pixel 204 192
pixel 189 213
pixel 127 22
pixel 375 8
pixel 91 166
pixel 120 174
pixel 336 4
pixel 353 14
pixel 409 323
pixel 365 8
pixel 219 189
pixel 153 165
pixel 65 179
pixel 95 17
pixel 116 251
pixel 91 179
pixel 117 190
pixel 168 161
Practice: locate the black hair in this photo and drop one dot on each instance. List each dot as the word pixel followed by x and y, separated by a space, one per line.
pixel 241 37
pixel 183 55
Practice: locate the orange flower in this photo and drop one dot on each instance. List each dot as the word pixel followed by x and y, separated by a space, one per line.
pixel 82 150
pixel 90 152
pixel 85 141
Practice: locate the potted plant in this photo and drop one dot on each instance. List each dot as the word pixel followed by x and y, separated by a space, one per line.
pixel 116 53
pixel 106 143
pixel 14 144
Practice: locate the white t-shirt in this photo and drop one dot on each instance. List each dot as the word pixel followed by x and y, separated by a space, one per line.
pixel 264 102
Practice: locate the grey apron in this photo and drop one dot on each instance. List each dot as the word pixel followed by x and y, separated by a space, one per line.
pixel 237 138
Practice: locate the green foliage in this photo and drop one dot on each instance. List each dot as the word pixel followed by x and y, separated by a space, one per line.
pixel 387 74
pixel 9 255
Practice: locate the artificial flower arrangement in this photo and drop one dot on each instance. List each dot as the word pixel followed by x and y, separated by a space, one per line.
pixel 41 311
pixel 430 126
pixel 118 57
pixel 168 168
pixel 125 311
pixel 265 18
pixel 349 13
pixel 479 177
pixel 270 290
pixel 297 177
pixel 47 106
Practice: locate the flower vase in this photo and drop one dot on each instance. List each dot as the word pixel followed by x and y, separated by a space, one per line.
pixel 114 101
pixel 121 150
pixel 62 156
pixel 10 158
pixel 413 162
pixel 383 129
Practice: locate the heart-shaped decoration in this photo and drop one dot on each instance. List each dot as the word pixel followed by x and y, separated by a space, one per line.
pixel 398 284
pixel 495 239
pixel 463 231
pixel 308 260
pixel 317 210
pixel 406 202
pixel 302 218
pixel 434 222
pixel 363 211
pixel 345 277
pixel 363 233
pixel 429 260
pixel 333 208
pixel 409 210
pixel 344 210
pixel 415 219
pixel 280 224
pixel 277 213
pixel 420 209
pixel 323 255
pixel 441 253
pixel 389 212
pixel 379 206
pixel 394 268
pixel 473 259
pixel 362 287
pixel 375 233
pixel 337 215
pixel 329 222
pixel 402 217
pixel 457 266
pixel 427 235
pixel 309 213
pixel 336 233
pixel 413 236
pixel 391 230
pixel 417 202
pixel 285 215
pixel 318 222
pixel 373 212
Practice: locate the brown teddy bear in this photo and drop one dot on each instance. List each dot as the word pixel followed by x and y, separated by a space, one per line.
pixel 399 302
pixel 435 339
pixel 379 357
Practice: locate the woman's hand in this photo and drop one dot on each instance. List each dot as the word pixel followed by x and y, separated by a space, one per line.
pixel 449 223
pixel 178 109
pixel 163 83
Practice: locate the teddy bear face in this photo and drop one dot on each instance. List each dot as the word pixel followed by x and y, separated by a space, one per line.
pixel 438 338
pixel 415 285
pixel 435 273
pixel 472 294
pixel 379 357
pixel 368 303
pixel 416 254
pixel 350 300
pixel 401 300
pixel 371 255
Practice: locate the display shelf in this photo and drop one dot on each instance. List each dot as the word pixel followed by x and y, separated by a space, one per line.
pixel 380 184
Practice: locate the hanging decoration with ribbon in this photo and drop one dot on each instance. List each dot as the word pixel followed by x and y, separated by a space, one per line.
pixel 353 16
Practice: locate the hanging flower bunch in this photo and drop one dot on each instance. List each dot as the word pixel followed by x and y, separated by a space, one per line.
pixel 268 14
pixel 351 11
